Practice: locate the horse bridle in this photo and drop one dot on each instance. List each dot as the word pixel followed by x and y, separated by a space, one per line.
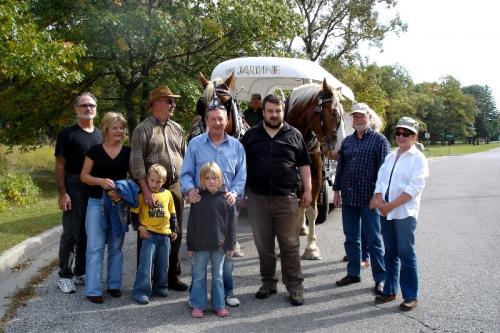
pixel 324 98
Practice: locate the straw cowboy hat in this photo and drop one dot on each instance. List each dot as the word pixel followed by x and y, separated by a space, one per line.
pixel 160 92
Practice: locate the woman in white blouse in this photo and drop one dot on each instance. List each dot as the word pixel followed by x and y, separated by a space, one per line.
pixel 400 182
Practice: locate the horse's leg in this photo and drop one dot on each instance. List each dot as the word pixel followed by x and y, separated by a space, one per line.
pixel 304 231
pixel 311 251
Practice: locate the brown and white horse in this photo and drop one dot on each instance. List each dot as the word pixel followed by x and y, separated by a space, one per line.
pixel 315 110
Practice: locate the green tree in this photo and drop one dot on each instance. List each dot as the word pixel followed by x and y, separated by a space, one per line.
pixel 338 26
pixel 447 110
pixel 484 124
pixel 132 46
pixel 32 61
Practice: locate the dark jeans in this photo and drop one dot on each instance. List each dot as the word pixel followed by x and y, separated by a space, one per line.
pixel 275 217
pixel 353 220
pixel 73 244
pixel 174 266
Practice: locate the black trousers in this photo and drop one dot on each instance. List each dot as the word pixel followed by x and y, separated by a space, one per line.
pixel 73 244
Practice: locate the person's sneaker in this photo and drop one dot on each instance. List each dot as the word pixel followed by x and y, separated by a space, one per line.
pixel 222 312
pixel 408 305
pixel 232 301
pixel 265 292
pixel 79 280
pixel 347 280
pixel 66 285
pixel 114 292
pixel 381 299
pixel 296 298
pixel 197 313
pixel 237 251
pixel 96 299
pixel 143 300
pixel 379 288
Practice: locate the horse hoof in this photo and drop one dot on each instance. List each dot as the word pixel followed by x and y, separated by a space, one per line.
pixel 311 255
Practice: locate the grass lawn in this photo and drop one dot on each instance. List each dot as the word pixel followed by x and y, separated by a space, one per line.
pixel 20 223
pixel 458 149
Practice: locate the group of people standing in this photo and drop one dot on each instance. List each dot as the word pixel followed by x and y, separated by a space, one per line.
pixel 103 185
pixel 380 195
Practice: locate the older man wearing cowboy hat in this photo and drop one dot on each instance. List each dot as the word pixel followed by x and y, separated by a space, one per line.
pixel 158 139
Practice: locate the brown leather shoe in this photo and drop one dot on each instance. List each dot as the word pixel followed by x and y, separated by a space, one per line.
pixel 96 299
pixel 265 292
pixel 381 299
pixel 408 305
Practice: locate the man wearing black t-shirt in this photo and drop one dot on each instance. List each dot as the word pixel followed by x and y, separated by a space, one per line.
pixel 71 147
pixel 276 154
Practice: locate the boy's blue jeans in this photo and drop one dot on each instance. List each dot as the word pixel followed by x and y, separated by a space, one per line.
pixel 198 292
pixel 153 259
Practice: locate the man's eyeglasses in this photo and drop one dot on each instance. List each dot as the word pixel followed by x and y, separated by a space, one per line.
pixel 403 133
pixel 88 105
pixel 169 101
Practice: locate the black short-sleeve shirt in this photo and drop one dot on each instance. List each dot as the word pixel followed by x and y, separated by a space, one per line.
pixel 73 143
pixel 272 163
pixel 106 167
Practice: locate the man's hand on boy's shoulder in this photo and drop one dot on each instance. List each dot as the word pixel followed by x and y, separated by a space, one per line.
pixel 230 198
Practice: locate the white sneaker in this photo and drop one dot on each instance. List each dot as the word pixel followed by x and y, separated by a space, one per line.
pixel 79 280
pixel 232 301
pixel 237 251
pixel 66 285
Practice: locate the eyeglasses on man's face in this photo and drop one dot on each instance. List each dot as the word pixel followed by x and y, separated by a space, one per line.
pixel 87 105
pixel 169 101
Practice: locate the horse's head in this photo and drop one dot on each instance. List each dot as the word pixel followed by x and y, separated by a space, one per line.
pixel 317 108
pixel 218 91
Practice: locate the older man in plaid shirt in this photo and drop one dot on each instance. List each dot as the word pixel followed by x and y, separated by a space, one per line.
pixel 361 155
pixel 158 139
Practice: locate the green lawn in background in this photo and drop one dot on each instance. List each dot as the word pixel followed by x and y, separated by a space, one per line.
pixel 458 149
pixel 20 223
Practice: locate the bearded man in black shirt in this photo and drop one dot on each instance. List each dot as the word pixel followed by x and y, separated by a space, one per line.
pixel 276 155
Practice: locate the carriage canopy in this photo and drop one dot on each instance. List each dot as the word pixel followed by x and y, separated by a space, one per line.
pixel 264 75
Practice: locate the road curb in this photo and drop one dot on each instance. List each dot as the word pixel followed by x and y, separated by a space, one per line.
pixel 29 248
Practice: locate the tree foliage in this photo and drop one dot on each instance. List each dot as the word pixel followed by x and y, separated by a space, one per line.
pixel 32 61
pixel 486 122
pixel 133 46
pixel 338 26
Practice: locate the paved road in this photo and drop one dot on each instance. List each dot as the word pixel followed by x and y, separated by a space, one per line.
pixel 458 240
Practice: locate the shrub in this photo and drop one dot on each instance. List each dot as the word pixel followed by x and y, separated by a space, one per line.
pixel 18 189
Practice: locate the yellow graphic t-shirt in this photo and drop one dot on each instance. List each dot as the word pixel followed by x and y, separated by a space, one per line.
pixel 156 219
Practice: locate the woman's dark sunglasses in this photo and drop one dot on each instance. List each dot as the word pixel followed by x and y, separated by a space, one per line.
pixel 403 133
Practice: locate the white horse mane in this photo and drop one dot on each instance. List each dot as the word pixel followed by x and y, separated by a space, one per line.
pixel 209 91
